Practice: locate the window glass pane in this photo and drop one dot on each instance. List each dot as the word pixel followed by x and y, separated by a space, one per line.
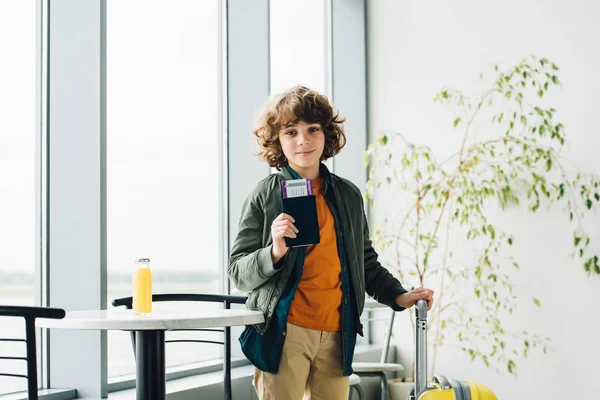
pixel 17 177
pixel 163 157
pixel 298 44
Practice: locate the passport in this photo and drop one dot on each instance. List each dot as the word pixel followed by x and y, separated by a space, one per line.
pixel 304 211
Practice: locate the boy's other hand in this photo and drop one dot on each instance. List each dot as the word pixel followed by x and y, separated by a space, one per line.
pixel 282 227
pixel 409 299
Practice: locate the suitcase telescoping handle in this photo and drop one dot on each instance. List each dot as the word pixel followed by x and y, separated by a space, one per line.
pixel 421 341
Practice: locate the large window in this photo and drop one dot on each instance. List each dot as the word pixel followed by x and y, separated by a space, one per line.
pixel 299 44
pixel 163 179
pixel 18 187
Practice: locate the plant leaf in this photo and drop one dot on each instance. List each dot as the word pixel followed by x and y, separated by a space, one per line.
pixel 511 366
pixel 523 120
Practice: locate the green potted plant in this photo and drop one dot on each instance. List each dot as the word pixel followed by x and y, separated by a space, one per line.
pixel 507 155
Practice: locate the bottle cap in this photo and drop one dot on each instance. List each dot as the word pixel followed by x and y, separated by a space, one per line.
pixel 144 262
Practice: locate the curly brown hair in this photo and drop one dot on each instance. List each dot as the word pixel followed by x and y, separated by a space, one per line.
pixel 297 104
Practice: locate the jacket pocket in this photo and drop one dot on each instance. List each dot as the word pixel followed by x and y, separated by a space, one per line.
pixel 260 298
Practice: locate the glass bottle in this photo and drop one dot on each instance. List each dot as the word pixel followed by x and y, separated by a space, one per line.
pixel 142 287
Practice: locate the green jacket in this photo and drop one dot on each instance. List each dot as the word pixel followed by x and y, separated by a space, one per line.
pixel 251 267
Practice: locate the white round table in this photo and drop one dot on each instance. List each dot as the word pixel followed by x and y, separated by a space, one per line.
pixel 150 335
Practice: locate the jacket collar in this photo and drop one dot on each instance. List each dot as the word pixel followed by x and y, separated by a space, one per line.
pixel 288 173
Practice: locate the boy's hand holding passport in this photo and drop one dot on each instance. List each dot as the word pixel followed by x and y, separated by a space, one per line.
pixel 299 212
pixel 300 203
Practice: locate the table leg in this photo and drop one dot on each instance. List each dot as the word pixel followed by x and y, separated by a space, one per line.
pixel 150 360
pixel 227 363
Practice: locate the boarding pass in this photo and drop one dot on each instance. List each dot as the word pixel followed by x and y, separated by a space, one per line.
pixel 296 188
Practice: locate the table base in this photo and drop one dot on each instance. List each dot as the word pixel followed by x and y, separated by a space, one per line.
pixel 150 360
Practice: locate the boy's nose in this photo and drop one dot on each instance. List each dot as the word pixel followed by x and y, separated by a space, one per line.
pixel 303 138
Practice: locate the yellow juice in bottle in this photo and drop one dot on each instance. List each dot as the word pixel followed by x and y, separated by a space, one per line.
pixel 142 287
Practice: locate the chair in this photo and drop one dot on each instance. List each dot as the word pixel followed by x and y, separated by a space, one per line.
pixel 227 300
pixel 29 314
pixel 382 367
pixel 355 384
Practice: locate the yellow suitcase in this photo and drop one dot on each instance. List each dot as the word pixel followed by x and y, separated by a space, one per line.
pixel 440 388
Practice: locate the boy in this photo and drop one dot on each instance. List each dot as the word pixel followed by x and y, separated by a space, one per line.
pixel 312 297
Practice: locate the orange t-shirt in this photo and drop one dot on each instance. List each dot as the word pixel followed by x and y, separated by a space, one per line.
pixel 317 303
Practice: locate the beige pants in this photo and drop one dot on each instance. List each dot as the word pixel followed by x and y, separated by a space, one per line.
pixel 310 369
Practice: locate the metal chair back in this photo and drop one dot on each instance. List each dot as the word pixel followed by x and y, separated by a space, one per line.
pixel 29 314
pixel 226 299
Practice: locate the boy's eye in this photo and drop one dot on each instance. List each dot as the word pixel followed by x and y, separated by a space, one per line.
pixel 314 129
pixel 291 133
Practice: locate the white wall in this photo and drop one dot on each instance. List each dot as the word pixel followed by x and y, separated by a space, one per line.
pixel 415 49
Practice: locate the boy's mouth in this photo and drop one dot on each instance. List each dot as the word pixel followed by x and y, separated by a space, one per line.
pixel 305 153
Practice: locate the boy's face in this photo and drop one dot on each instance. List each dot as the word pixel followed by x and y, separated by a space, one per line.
pixel 303 146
